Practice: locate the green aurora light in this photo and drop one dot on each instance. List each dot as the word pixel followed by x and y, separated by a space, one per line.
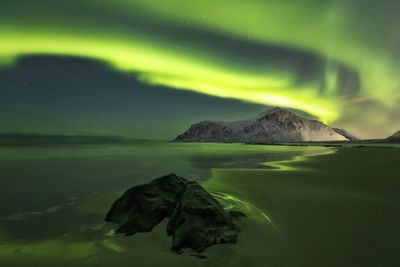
pixel 336 31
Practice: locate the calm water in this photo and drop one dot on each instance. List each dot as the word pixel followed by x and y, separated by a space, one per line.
pixel 307 206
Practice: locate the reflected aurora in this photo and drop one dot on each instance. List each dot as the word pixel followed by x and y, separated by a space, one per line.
pixel 229 202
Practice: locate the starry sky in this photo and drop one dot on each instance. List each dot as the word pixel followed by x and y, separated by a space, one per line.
pixel 149 68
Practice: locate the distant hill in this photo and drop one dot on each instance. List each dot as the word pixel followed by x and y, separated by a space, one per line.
pixel 274 126
pixel 394 138
pixel 22 138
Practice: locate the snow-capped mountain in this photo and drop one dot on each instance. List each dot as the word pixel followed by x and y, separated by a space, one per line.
pixel 274 126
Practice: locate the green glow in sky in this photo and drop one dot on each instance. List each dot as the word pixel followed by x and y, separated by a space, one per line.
pixel 158 65
pixel 122 34
pixel 329 28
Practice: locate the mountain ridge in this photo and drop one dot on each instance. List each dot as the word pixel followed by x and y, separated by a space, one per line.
pixel 273 126
pixel 395 137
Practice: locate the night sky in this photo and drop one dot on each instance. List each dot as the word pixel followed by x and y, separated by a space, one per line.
pixel 148 69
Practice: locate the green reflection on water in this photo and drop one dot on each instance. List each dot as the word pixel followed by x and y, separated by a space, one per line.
pixel 56 251
pixel 86 242
pixel 231 202
pixel 289 165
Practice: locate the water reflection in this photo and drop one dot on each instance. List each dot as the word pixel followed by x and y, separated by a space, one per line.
pixel 57 196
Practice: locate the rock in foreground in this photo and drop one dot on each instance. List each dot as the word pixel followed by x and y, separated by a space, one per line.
pixel 143 207
pixel 196 219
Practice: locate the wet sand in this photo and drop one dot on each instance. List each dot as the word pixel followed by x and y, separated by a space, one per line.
pixel 338 208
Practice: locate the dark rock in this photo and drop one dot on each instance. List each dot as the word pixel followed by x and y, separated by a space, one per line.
pixel 142 207
pixel 197 220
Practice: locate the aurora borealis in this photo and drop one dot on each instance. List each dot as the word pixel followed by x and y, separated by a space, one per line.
pixel 336 60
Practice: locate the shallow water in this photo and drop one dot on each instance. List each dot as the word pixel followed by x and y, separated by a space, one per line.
pixel 307 206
